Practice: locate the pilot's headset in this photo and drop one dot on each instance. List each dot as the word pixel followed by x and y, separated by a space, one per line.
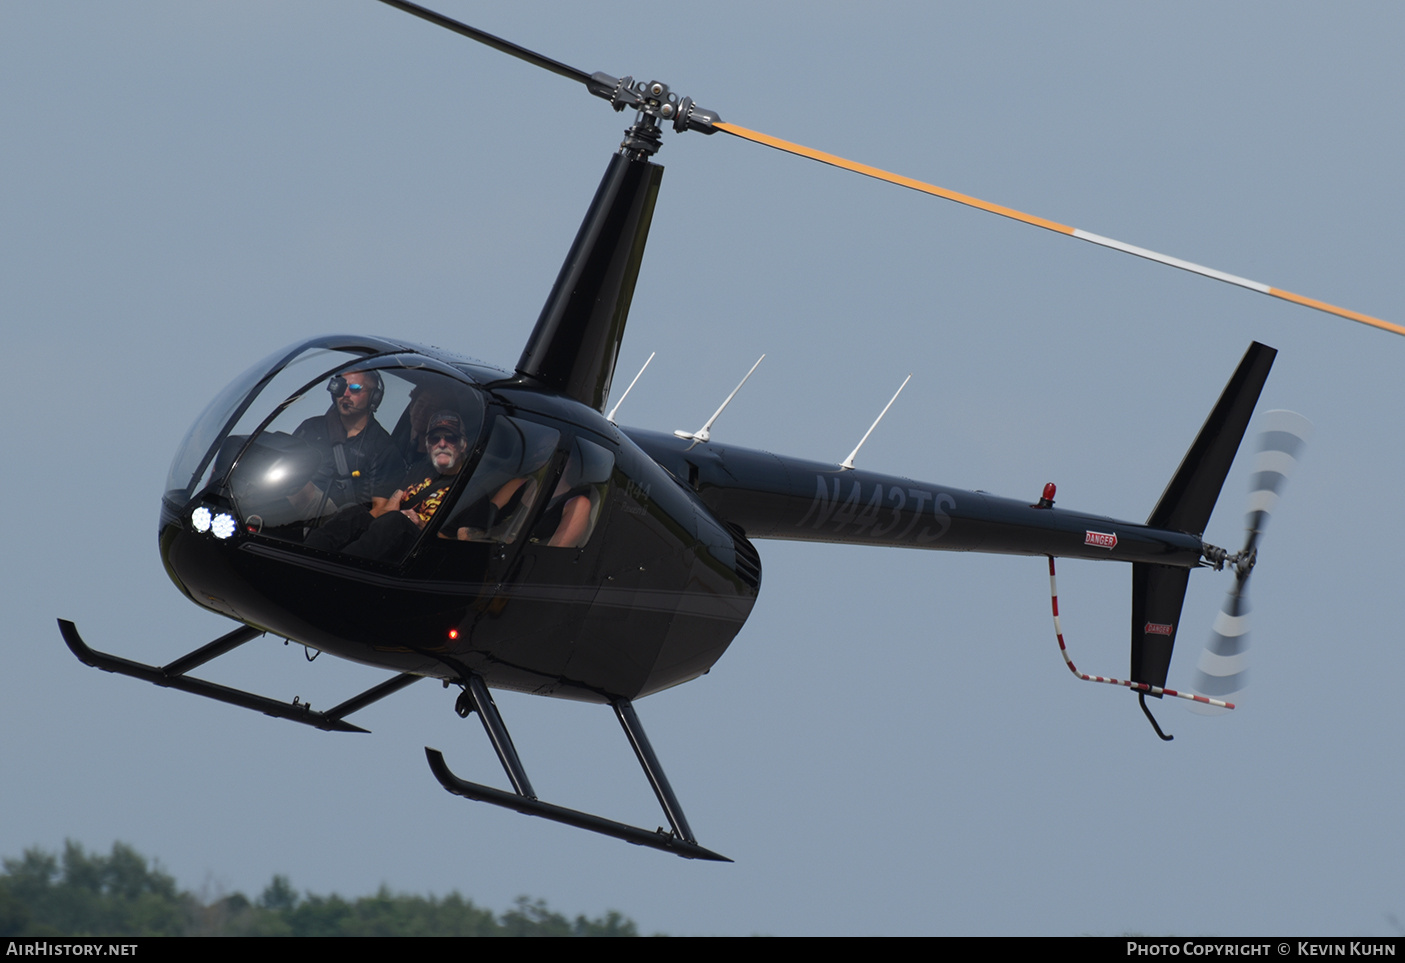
pixel 337 386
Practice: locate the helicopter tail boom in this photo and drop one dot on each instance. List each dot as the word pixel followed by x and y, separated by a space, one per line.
pixel 769 496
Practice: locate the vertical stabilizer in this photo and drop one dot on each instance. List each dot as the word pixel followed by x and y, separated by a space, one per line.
pixel 1189 499
pixel 1158 591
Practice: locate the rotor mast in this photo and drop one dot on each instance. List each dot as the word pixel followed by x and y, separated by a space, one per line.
pixel 576 341
pixel 573 348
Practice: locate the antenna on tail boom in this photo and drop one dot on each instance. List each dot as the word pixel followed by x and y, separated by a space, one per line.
pixel 704 434
pixel 848 463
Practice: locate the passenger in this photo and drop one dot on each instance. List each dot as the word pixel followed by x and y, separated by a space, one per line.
pixel 567 518
pixel 358 461
pixel 491 518
pixel 512 470
pixel 389 528
pixel 425 400
pixel 566 521
pixel 446 447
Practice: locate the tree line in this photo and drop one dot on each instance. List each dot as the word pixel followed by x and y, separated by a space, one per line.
pixel 77 893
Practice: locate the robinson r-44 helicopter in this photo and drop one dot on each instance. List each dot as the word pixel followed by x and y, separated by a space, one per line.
pixel 554 553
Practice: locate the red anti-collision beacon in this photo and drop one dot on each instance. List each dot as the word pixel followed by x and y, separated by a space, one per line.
pixel 1047 499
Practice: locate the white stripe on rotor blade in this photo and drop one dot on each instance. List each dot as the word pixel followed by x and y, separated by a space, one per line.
pixel 1231 626
pixel 1214 686
pixel 1280 419
pixel 1175 262
pixel 1263 500
pixel 1227 646
pixel 1275 460
pixel 1220 666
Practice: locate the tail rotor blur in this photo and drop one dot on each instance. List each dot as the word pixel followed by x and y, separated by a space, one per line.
pixel 1223 668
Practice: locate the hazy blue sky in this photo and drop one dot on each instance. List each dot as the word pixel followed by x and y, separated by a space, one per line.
pixel 892 744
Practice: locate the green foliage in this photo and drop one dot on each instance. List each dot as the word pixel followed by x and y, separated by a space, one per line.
pixel 88 895
pixel 83 894
pixel 534 919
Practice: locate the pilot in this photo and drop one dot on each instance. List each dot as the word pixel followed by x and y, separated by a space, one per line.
pixel 390 527
pixel 359 462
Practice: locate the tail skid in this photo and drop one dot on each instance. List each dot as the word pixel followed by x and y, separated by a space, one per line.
pixel 1142 688
pixel 1158 591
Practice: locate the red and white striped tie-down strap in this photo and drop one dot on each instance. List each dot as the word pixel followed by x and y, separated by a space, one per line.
pixel 1138 686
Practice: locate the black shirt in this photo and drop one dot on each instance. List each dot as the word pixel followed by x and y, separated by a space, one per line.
pixel 371 465
pixel 425 488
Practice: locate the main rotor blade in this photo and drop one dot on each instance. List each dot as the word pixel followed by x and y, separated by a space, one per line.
pixel 1057 228
pixel 497 43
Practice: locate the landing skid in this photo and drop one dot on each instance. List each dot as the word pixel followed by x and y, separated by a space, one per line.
pixel 476 697
pixel 173 676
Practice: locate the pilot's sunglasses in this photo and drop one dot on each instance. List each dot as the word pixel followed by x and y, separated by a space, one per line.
pixel 436 437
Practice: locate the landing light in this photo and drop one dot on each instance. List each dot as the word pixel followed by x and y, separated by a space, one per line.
pixel 223 525
pixel 200 519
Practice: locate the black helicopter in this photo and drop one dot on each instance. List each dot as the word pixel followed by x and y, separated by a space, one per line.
pixel 656 574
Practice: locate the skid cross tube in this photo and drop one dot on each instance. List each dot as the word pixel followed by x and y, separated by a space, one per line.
pixel 680 842
pixel 173 676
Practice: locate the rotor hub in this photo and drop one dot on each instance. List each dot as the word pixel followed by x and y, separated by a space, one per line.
pixel 656 105
pixel 1242 562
